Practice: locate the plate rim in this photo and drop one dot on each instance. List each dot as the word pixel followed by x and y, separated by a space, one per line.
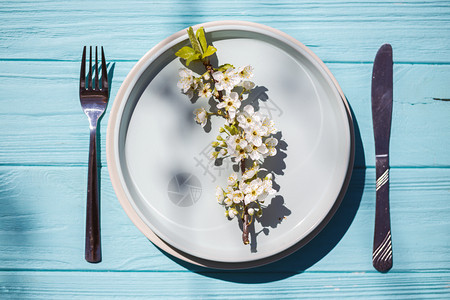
pixel 113 162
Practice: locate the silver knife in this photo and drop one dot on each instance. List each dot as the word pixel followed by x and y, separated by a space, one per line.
pixel 382 116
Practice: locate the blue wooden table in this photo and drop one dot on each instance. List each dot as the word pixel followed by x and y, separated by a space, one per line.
pixel 44 151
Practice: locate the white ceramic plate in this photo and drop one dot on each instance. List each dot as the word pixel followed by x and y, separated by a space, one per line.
pixel 158 156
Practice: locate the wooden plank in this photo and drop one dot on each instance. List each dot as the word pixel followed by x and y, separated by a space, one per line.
pixel 45 124
pixel 43 210
pixel 190 285
pixel 338 31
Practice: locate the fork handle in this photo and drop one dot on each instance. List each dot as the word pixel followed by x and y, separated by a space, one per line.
pixel 92 249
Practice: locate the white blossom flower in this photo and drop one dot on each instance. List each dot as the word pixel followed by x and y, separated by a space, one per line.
pixel 269 126
pixel 271 143
pixel 248 117
pixel 257 153
pixel 187 80
pixel 238 196
pixel 247 85
pixel 201 116
pixel 245 72
pixel 253 190
pixel 228 201
pixel 226 80
pixel 232 212
pixel 205 90
pixel 237 152
pixel 228 190
pixel 242 185
pixel 267 188
pixel 231 103
pixel 232 179
pixel 267 184
pixel 235 140
pixel 254 135
pixel 250 173
pixel 219 195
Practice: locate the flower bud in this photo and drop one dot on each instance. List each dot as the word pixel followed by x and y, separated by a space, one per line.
pixel 219 138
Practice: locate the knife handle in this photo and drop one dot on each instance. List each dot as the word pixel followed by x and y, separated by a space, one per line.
pixel 382 242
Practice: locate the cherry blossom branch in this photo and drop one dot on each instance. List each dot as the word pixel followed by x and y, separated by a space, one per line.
pixel 248 133
pixel 245 217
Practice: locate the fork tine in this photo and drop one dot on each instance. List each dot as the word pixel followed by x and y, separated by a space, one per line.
pixel 97 87
pixel 83 70
pixel 104 73
pixel 90 69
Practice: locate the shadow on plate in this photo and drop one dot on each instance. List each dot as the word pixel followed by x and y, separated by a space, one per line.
pixel 317 248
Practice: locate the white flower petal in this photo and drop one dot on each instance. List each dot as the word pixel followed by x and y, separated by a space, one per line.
pixel 255 155
pixel 257 141
pixel 221 104
pixel 219 194
pixel 248 85
pixel 231 113
pixel 218 75
pixel 272 151
pixel 263 149
pixel 234 96
pixel 232 179
pixel 249 109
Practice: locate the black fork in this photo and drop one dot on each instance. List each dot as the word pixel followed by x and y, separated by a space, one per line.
pixel 94 100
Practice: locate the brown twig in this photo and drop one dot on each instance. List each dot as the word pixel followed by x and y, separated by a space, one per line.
pixel 245 217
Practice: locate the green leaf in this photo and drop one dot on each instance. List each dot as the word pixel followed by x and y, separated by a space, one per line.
pixel 195 56
pixel 194 42
pixel 224 67
pixel 209 51
pixel 200 34
pixel 188 54
pixel 233 130
pixel 185 52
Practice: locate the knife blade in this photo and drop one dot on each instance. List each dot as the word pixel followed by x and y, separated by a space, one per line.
pixel 382 94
